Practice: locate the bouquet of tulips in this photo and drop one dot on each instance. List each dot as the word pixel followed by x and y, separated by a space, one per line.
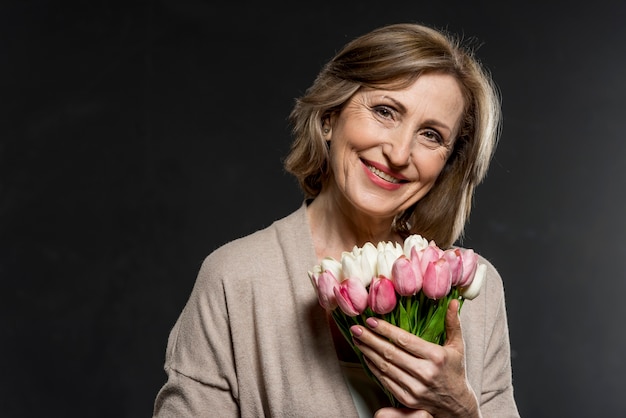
pixel 409 286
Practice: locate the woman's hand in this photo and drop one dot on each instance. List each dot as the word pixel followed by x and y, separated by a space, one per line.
pixel 426 377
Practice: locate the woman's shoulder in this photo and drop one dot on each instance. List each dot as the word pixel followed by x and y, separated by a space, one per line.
pixel 491 298
pixel 493 279
pixel 492 274
pixel 256 250
pixel 492 287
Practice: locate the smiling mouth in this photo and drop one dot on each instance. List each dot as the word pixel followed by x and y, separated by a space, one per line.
pixel 383 175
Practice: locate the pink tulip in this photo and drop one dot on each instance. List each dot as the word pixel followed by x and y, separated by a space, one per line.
pixel 419 274
pixel 455 260
pixel 325 283
pixel 429 255
pixel 437 279
pixel 351 296
pixel 382 296
pixel 470 263
pixel 406 276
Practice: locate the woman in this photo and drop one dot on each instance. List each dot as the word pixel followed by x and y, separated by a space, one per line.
pixel 390 140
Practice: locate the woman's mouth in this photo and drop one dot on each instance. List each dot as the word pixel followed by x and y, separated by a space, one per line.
pixel 382 174
pixel 382 177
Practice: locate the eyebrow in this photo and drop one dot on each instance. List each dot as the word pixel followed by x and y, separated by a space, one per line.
pixel 436 123
pixel 433 122
pixel 398 104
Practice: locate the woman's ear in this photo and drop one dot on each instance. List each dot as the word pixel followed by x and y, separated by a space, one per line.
pixel 327 128
pixel 327 132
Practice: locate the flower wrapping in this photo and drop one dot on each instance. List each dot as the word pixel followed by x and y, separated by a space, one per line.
pixel 407 285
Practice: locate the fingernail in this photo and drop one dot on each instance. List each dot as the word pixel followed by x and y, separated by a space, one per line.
pixel 356 331
pixel 371 322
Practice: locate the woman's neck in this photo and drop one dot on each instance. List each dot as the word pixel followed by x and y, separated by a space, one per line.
pixel 337 227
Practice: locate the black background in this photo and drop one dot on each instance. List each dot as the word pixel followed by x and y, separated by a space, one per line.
pixel 136 137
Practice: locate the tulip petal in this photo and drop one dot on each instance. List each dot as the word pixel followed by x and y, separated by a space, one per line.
pixel 403 276
pixel 329 263
pixel 414 241
pixel 453 256
pixel 382 295
pixel 415 263
pixel 437 279
pixel 326 285
pixel 369 260
pixel 473 289
pixel 470 263
pixel 350 267
pixel 429 255
pixel 351 296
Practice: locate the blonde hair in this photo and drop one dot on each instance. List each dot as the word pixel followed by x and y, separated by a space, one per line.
pixel 394 56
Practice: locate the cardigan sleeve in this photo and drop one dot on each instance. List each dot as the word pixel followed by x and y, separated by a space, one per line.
pixel 496 397
pixel 184 396
pixel 201 377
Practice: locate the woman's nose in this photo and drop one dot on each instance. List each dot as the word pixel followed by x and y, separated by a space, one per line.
pixel 397 149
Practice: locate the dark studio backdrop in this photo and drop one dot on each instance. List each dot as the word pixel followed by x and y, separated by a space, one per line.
pixel 136 137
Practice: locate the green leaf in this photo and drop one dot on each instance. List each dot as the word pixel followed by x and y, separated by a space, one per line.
pixel 403 318
pixel 434 329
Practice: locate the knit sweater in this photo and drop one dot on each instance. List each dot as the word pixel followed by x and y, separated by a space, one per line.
pixel 253 341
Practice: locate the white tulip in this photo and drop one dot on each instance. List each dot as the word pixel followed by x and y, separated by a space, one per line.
pixel 313 275
pixel 471 291
pixel 350 265
pixel 334 266
pixel 360 263
pixel 368 261
pixel 386 258
pixel 416 241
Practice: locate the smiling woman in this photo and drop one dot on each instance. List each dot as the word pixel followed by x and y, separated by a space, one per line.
pixel 390 140
pixel 391 59
pixel 387 149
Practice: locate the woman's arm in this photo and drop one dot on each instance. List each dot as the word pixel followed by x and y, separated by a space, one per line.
pixel 199 361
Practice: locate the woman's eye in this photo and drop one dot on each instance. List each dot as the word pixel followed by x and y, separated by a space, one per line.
pixel 433 136
pixel 384 112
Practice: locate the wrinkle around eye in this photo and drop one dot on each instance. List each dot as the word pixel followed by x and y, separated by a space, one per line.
pixel 434 145
pixel 433 137
pixel 385 111
pixel 389 119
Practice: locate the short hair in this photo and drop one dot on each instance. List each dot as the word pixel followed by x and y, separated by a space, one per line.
pixel 394 56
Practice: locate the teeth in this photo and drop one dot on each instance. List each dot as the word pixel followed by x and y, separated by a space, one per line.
pixel 383 175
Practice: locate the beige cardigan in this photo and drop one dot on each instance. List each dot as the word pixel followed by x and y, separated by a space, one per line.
pixel 253 341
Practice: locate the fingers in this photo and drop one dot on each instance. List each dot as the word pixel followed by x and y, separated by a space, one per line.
pixel 393 363
pixel 410 343
pixel 399 337
pixel 385 356
pixel 404 387
pixel 454 335
pixel 409 366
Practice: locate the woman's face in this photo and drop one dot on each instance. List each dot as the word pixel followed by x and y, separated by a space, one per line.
pixel 387 147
